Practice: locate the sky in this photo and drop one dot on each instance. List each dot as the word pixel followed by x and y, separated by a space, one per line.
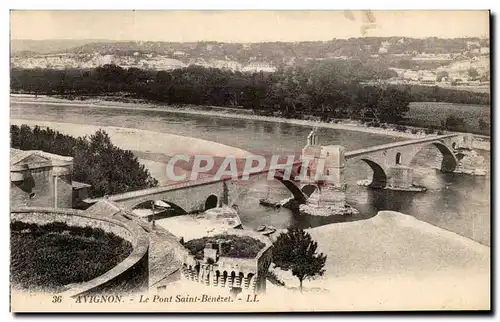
pixel 245 26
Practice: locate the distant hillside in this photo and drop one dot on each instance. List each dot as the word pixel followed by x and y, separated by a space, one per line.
pixel 275 52
pixel 48 46
pixel 381 52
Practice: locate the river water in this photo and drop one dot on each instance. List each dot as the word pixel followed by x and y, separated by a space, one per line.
pixel 456 202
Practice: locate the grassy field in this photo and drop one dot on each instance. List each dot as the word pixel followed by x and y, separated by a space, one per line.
pixel 48 257
pixel 427 114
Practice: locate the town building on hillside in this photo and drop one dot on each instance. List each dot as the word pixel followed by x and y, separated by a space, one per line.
pixel 485 50
pixel 385 44
pixel 179 53
pixel 104 60
pixel 433 57
pixel 383 50
pixel 472 44
pixel 227 64
pixel 384 47
pixel 428 80
pixel 259 66
pixel 410 75
pixel 200 62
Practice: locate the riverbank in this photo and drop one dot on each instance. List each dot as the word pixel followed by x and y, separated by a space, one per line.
pixel 394 261
pixel 481 142
pixel 220 112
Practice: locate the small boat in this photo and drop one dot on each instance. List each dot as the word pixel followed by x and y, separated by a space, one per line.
pixel 268 203
pixel 270 230
pixel 261 228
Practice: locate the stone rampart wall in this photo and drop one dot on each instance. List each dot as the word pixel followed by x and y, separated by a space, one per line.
pixel 131 275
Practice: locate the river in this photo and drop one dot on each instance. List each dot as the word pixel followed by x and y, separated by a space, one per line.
pixel 456 202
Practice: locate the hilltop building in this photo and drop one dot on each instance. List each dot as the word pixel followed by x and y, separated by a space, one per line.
pixel 259 66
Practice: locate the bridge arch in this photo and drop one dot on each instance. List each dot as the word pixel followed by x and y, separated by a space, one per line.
pixel 309 189
pixel 450 161
pixel 398 158
pixel 211 202
pixel 379 179
pixel 149 205
pixel 290 185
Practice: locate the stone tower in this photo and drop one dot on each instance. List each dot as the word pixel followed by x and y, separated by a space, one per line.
pixel 326 171
pixel 311 152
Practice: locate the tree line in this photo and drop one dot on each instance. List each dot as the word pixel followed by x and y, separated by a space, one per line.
pixel 96 161
pixel 327 89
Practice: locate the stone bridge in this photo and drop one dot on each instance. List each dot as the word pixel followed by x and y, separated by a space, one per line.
pixel 199 195
pixel 390 164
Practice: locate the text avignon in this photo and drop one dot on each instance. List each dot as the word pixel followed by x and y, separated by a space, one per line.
pixel 98 299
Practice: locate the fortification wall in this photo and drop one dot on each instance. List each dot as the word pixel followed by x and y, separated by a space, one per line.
pixel 249 274
pixel 129 276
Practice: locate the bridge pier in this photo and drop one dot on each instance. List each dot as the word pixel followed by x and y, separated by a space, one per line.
pixel 327 195
pixel 400 177
pixel 325 172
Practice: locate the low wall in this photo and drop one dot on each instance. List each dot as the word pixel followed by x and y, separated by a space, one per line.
pixel 131 275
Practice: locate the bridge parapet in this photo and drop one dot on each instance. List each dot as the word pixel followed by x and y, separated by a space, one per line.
pixel 382 147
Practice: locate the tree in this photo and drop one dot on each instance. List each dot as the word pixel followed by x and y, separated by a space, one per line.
pixel 455 123
pixel 107 168
pixel 296 251
pixel 483 126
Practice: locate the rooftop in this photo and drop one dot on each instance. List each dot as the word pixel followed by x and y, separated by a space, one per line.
pixel 18 156
pixel 79 185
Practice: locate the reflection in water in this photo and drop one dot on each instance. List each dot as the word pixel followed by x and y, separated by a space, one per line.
pixel 457 202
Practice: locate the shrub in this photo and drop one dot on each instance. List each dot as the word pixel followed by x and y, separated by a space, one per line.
pixel 401 128
pixel 483 126
pixel 429 130
pixel 414 131
pixel 455 123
